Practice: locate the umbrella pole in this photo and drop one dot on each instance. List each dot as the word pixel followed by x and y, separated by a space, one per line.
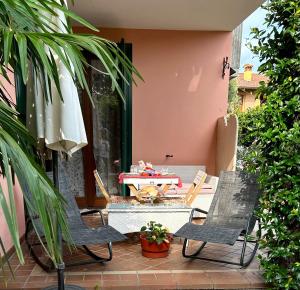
pixel 60 267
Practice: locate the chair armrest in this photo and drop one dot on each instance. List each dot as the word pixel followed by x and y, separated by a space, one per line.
pixel 198 210
pixel 91 211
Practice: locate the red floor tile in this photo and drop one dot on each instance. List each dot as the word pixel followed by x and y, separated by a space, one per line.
pixel 130 270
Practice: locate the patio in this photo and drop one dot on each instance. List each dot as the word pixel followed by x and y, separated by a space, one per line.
pixel 186 51
pixel 130 270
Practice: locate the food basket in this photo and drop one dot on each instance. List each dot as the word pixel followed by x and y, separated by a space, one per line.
pixel 148 194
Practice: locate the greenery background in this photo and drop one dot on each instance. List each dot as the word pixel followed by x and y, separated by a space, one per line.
pixel 271 135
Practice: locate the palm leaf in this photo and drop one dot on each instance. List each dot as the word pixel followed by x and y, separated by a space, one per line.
pixel 46 202
pixel 43 37
pixel 22 46
pixel 8 207
pixel 8 37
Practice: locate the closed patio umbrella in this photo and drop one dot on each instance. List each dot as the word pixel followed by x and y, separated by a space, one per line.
pixel 56 122
pixel 59 123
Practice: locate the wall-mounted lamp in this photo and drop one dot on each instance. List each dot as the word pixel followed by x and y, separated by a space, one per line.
pixel 226 65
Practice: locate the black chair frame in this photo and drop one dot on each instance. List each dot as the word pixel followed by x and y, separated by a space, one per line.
pixel 84 248
pixel 244 240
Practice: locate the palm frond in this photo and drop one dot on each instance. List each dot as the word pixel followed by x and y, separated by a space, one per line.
pixel 45 202
pixel 38 39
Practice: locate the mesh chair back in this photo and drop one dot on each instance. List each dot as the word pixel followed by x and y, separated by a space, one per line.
pixel 234 201
pixel 72 211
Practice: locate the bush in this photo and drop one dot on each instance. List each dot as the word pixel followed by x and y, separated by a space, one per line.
pixel 274 140
pixel 246 150
pixel 248 125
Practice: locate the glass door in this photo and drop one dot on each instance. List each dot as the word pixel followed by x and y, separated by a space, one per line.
pixel 107 129
pixel 108 126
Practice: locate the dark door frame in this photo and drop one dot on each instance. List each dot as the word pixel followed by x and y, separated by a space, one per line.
pixel 126 134
pixel 89 164
pixel 90 199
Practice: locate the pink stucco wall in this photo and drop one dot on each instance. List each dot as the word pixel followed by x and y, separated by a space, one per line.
pixel 4 233
pixel 175 110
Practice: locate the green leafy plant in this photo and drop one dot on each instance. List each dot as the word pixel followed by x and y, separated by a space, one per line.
pixel 274 140
pixel 248 125
pixel 31 33
pixel 156 233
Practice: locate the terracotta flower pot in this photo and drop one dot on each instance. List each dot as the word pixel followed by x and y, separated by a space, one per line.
pixel 153 250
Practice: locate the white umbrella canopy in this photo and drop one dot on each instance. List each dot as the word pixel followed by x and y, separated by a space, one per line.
pixel 59 123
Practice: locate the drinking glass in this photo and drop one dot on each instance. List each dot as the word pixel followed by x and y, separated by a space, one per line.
pixel 133 169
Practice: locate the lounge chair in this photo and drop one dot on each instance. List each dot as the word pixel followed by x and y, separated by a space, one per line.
pixel 230 218
pixel 81 234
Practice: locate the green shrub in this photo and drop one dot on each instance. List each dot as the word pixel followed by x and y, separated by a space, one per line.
pixel 248 125
pixel 248 130
pixel 274 140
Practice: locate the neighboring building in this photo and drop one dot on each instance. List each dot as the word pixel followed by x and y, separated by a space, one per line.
pixel 247 83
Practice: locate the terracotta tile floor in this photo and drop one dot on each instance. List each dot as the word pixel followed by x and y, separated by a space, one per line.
pixel 130 270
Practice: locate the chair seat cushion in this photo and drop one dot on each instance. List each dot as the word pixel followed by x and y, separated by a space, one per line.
pixel 209 233
pixel 90 236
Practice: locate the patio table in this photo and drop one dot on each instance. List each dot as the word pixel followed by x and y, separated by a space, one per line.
pixel 128 218
pixel 135 181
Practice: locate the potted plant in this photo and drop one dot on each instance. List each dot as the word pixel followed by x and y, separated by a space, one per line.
pixel 155 240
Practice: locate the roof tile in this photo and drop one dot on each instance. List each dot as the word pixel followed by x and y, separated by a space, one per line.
pixel 253 84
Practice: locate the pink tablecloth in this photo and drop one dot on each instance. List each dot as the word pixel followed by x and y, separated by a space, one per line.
pixel 124 175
